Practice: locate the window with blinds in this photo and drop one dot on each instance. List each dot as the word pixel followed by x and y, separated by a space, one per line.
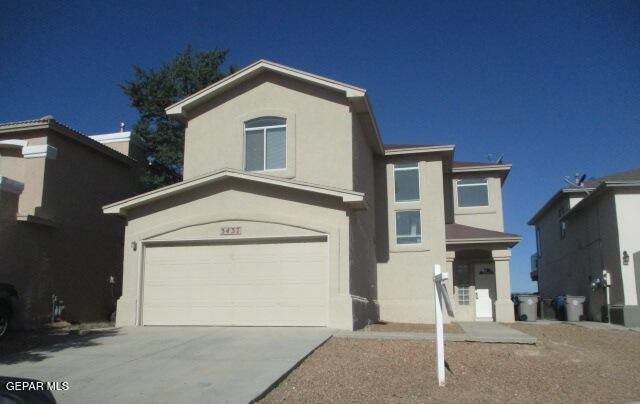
pixel 265 144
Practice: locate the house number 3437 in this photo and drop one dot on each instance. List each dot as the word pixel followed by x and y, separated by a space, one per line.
pixel 230 231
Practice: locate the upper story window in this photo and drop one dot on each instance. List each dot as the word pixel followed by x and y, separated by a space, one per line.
pixel 563 224
pixel 563 229
pixel 472 192
pixel 538 242
pixel 408 227
pixel 265 141
pixel 407 182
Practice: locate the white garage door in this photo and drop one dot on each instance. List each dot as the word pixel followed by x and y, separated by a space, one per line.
pixel 263 284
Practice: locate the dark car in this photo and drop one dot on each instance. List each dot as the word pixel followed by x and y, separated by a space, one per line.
pixel 24 391
pixel 8 295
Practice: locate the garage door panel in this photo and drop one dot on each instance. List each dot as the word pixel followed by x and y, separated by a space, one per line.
pixel 243 284
pixel 189 315
pixel 280 315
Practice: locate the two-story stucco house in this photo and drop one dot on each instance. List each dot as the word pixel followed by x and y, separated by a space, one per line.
pixel 588 229
pixel 57 248
pixel 293 212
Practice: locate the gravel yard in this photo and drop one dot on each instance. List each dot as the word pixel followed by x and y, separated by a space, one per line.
pixel 569 364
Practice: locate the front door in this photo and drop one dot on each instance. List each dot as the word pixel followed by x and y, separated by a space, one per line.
pixel 485 281
pixel 463 292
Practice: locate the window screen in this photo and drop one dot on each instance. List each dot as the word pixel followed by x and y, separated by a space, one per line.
pixel 407 182
pixel 408 225
pixel 472 192
pixel 265 144
pixel 254 155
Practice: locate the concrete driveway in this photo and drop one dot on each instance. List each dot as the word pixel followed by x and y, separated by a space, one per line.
pixel 169 364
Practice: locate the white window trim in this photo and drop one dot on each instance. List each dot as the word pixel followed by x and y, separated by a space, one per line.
pixel 264 146
pixel 395 230
pixel 563 229
pixel 395 197
pixel 467 294
pixel 486 184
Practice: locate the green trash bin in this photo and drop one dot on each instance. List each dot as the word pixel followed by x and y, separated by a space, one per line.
pixel 527 307
pixel 574 307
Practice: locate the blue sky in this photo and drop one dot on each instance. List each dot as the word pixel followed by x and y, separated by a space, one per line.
pixel 555 86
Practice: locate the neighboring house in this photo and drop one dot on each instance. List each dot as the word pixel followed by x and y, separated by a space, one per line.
pixel 293 213
pixel 584 230
pixel 58 249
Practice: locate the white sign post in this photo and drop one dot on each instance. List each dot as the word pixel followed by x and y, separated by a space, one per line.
pixel 440 294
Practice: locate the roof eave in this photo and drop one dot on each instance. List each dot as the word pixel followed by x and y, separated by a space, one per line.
pixel 179 108
pixel 488 240
pixel 418 150
pixel 501 167
pixel 601 188
pixel 379 148
pixel 621 184
pixel 62 129
pixel 534 219
pixel 24 127
pixel 355 200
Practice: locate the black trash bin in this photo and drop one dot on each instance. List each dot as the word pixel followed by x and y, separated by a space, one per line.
pixel 547 309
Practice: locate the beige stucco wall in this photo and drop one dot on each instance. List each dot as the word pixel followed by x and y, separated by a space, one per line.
pixel 405 272
pixel 326 145
pixel 552 249
pixel 28 171
pixel 281 212
pixel 25 263
pixel 628 220
pixel 75 257
pixel 362 226
pixel 568 266
pixel 486 217
pixel 129 148
pixel 319 130
pixel 555 276
pixel 120 147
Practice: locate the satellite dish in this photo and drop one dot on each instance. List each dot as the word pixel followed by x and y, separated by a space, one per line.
pixel 497 161
pixel 578 182
pixel 581 179
pixel 567 179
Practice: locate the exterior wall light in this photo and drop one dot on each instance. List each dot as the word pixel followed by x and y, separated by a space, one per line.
pixel 134 245
pixel 625 258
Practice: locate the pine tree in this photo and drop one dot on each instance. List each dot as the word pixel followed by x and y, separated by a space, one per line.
pixel 151 91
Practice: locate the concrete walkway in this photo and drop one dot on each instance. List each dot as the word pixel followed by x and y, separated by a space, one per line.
pixel 473 332
pixel 417 336
pixel 480 331
pixel 168 364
